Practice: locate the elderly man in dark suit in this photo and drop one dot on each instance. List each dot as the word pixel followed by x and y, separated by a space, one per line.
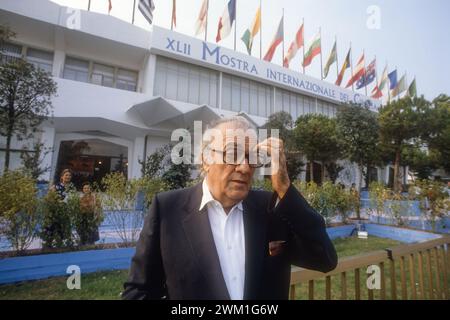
pixel 222 240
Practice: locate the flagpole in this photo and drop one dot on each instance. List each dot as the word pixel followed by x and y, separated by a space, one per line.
pixel 365 73
pixel 173 8
pixel 303 36
pixel 282 60
pixel 337 58
pixel 321 63
pixel 351 65
pixel 134 11
pixel 376 73
pixel 235 24
pixel 260 30
pixel 206 27
pixel 89 5
pixel 406 81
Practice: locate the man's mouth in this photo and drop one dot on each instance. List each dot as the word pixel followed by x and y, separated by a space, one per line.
pixel 240 182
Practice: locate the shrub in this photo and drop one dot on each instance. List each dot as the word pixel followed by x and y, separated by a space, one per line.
pixel 329 200
pixel 434 200
pixel 56 231
pixel 87 217
pixel 18 209
pixel 120 198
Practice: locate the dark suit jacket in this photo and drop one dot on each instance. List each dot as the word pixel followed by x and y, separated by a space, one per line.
pixel 176 256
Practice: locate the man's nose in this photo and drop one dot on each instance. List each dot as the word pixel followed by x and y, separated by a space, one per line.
pixel 244 167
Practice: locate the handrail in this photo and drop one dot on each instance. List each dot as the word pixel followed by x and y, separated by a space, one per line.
pixel 428 260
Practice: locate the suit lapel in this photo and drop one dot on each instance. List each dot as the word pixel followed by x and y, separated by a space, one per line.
pixel 198 231
pixel 255 244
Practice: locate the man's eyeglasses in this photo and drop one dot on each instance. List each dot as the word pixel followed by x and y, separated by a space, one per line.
pixel 255 159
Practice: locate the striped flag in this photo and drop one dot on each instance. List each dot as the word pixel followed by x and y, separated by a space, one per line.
pixel 146 7
pixel 377 92
pixel 315 48
pixel 296 45
pixel 332 59
pixel 200 25
pixel 226 21
pixel 250 34
pixel 345 66
pixel 358 72
pixel 279 37
pixel 401 87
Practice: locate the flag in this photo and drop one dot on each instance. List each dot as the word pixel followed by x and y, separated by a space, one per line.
pixel 226 21
pixel 174 13
pixel 146 7
pixel 294 47
pixel 314 50
pixel 345 66
pixel 200 25
pixel 369 75
pixel 249 34
pixel 358 72
pixel 331 59
pixel 412 90
pixel 377 92
pixel 392 80
pixel 109 6
pixel 279 37
pixel 401 87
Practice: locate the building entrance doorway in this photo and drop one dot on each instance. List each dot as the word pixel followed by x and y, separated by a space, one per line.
pixel 91 160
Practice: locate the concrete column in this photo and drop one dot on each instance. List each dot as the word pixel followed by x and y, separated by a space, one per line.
pixel 134 168
pixel 146 81
pixel 59 55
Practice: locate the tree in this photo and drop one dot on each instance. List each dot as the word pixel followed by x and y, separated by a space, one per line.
pixel 358 129
pixel 283 122
pixel 5 35
pixel 32 160
pixel 159 165
pixel 316 137
pixel 25 101
pixel 438 134
pixel 153 166
pixel 402 122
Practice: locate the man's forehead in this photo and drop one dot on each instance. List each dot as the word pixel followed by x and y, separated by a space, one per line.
pixel 229 134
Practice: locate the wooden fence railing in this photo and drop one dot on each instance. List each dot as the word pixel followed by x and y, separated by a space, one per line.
pixel 411 271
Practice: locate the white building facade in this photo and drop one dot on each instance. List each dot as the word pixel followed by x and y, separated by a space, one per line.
pixel 122 90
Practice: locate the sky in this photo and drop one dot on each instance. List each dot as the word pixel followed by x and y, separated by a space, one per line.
pixel 410 35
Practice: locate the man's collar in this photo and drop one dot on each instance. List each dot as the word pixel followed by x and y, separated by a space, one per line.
pixel 208 198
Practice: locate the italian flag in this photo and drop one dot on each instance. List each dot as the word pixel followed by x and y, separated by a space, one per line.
pixel 315 48
pixel 358 72
pixel 250 34
pixel 294 47
pixel 279 38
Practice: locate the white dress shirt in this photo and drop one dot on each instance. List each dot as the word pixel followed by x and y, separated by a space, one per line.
pixel 229 238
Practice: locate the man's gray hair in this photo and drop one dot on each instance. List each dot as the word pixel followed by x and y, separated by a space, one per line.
pixel 237 122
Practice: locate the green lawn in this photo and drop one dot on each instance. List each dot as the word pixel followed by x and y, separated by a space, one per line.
pixel 108 285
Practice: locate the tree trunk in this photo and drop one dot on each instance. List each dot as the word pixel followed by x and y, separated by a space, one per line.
pixel 311 171
pixel 7 151
pixel 323 172
pixel 397 171
pixel 358 193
